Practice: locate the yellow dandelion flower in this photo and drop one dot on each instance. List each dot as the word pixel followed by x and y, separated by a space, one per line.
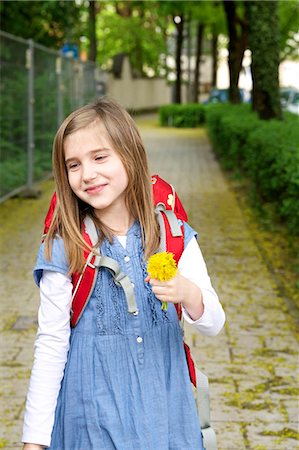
pixel 162 267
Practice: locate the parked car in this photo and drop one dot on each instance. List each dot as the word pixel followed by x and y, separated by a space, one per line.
pixel 289 98
pixel 221 96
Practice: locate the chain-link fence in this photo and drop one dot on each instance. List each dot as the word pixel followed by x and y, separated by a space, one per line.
pixel 38 88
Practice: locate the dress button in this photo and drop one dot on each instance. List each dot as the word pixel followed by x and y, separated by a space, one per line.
pixel 139 339
pixel 127 258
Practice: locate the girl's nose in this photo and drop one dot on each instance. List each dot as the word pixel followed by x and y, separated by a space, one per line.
pixel 89 173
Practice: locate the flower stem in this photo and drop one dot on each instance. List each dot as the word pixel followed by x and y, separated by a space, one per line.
pixel 164 306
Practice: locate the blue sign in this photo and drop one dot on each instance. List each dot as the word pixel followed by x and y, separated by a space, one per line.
pixel 70 50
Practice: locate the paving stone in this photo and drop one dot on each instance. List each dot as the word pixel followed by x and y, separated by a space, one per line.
pixel 259 433
pixel 285 343
pixel 25 323
pixel 291 405
pixel 10 345
pixel 229 435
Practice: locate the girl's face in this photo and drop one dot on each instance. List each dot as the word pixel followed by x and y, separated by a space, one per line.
pixel 96 173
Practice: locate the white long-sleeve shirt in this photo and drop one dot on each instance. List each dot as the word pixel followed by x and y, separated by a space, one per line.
pixel 52 341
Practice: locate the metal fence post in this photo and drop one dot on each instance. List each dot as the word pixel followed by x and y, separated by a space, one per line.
pixel 30 131
pixel 60 109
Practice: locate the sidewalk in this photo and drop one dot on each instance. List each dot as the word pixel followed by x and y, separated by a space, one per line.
pixel 252 365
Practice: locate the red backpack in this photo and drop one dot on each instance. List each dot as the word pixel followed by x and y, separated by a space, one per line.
pixel 170 211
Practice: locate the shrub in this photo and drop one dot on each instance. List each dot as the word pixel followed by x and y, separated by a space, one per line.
pixel 265 151
pixel 182 116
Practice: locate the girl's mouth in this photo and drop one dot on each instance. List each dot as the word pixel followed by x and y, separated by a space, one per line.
pixel 95 189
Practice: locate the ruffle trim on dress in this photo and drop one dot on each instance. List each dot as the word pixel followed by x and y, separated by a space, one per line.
pixel 158 315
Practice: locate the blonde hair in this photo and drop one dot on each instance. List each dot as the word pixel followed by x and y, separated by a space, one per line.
pixel 70 210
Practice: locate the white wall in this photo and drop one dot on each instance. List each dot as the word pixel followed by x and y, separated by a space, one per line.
pixel 138 93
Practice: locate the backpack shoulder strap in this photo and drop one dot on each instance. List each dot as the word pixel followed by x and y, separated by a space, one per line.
pixel 171 215
pixel 50 213
pixel 88 275
pixel 84 283
pixel 165 194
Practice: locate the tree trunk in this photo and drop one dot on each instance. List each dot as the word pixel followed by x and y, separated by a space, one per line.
pixel 214 58
pixel 178 54
pixel 189 44
pixel 199 39
pixel 236 47
pixel 92 31
pixel 265 58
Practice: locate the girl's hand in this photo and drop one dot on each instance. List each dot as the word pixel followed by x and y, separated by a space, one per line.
pixel 172 291
pixel 179 290
pixel 33 447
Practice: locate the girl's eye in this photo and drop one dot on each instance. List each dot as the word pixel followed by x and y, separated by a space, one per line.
pixel 100 157
pixel 73 166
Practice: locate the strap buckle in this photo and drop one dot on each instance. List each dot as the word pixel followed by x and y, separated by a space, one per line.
pixel 118 277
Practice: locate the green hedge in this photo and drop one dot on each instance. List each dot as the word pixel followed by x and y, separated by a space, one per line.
pixel 266 152
pixel 182 116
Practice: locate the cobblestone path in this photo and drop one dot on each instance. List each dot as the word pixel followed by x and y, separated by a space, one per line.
pixel 252 365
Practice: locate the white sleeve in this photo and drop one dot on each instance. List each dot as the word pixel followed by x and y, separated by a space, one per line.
pixel 192 266
pixel 50 355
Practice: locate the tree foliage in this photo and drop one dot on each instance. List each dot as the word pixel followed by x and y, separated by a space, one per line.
pixel 50 23
pixel 288 13
pixel 134 28
pixel 145 31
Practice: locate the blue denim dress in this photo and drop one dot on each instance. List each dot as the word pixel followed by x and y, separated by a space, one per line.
pixel 126 384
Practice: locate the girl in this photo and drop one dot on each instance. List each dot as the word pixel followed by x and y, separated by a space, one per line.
pixel 117 380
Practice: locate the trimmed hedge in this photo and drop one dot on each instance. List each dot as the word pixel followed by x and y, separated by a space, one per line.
pixel 178 115
pixel 267 152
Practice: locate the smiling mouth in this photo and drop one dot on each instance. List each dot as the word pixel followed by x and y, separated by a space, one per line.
pixel 95 189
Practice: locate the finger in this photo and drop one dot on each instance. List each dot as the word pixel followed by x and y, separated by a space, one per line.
pixel 155 282
pixel 159 290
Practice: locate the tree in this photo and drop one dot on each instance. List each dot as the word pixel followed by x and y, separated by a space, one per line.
pixel 179 24
pixel 199 42
pixel 50 23
pixel 214 52
pixel 209 19
pixel 237 25
pixel 288 13
pixel 217 28
pixel 179 13
pixel 133 28
pixel 92 14
pixel 199 16
pixel 264 45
